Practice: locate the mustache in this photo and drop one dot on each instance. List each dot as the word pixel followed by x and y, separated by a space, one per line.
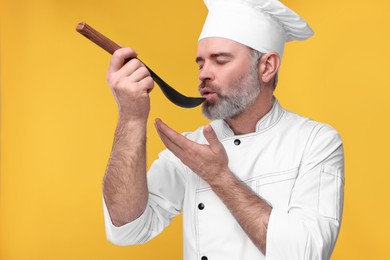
pixel 209 86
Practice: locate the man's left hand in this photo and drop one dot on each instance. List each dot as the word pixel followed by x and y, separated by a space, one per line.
pixel 209 161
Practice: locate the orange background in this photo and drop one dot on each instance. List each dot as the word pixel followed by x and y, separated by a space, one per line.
pixel 58 115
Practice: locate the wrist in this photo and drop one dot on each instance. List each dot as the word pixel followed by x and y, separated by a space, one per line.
pixel 131 129
pixel 132 120
pixel 222 179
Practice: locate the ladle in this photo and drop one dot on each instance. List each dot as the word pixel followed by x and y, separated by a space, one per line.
pixel 110 46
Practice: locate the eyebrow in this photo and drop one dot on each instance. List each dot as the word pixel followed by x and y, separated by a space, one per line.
pixel 214 56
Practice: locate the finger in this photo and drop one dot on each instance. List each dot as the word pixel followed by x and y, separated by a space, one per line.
pixel 148 83
pixel 173 136
pixel 134 72
pixel 173 147
pixel 210 135
pixel 128 69
pixel 119 57
pixel 139 74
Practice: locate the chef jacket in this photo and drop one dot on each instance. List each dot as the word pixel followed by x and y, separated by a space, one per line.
pixel 293 163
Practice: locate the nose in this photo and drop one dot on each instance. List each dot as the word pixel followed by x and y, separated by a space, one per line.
pixel 205 73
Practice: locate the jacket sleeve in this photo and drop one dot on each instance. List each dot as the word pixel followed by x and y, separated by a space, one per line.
pixel 309 227
pixel 166 184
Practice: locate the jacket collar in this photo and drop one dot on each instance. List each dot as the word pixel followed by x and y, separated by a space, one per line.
pixel 266 122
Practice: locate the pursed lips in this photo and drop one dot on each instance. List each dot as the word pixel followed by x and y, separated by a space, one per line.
pixel 206 93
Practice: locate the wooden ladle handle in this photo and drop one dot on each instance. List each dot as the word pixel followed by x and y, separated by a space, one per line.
pixel 173 95
pixel 97 37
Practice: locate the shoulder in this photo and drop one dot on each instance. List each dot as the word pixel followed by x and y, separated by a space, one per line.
pixel 321 140
pixel 299 123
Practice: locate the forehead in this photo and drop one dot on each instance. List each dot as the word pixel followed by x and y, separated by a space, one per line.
pixel 212 45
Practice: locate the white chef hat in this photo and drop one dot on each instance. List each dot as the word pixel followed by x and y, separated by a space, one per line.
pixel 264 25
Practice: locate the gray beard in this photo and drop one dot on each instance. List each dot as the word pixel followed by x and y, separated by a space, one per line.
pixel 243 93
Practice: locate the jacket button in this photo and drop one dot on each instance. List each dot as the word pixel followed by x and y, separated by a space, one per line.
pixel 201 207
pixel 204 258
pixel 237 142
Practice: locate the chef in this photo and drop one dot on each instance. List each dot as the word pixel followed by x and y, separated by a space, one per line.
pixel 259 181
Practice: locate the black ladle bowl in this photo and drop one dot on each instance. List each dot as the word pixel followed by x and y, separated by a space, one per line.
pixel 110 46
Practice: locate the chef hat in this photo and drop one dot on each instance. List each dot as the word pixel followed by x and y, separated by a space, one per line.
pixel 264 25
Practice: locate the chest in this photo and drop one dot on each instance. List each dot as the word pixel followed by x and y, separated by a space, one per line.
pixel 268 164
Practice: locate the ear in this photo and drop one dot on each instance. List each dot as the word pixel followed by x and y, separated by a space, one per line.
pixel 268 68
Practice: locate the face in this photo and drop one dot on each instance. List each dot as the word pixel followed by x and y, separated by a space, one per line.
pixel 228 76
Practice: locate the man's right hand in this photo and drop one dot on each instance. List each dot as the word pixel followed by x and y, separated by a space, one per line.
pixel 130 84
pixel 124 187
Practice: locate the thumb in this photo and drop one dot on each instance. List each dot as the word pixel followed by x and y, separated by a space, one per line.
pixel 210 135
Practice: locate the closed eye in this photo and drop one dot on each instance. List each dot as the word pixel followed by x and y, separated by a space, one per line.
pixel 200 61
pixel 221 61
pixel 220 58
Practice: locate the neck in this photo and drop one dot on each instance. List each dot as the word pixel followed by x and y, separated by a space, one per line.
pixel 246 122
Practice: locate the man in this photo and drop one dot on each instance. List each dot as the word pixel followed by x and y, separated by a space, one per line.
pixel 258 182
